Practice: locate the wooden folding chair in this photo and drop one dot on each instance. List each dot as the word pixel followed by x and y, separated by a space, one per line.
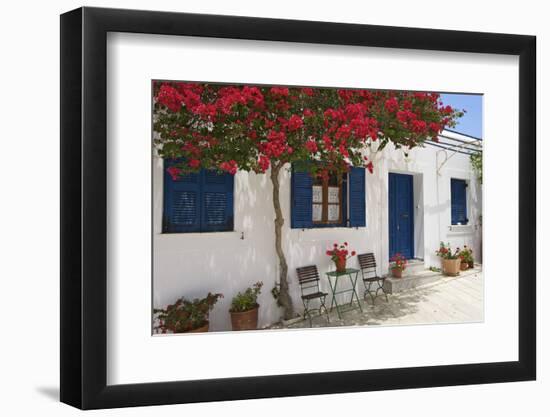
pixel 367 263
pixel 308 278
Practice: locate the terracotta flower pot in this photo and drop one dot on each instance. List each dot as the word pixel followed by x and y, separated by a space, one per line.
pixel 202 329
pixel 397 272
pixel 340 265
pixel 245 320
pixel 463 266
pixel 451 266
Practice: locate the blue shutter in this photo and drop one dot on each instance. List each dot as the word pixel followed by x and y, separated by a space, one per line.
pixel 301 199
pixel 198 202
pixel 181 202
pixel 459 213
pixel 357 204
pixel 217 201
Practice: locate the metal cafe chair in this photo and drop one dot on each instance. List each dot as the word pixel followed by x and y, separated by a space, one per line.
pixel 367 264
pixel 308 278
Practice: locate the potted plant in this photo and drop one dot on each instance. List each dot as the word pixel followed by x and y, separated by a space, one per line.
pixel 398 263
pixel 185 316
pixel 339 255
pixel 450 261
pixel 469 256
pixel 466 258
pixel 244 308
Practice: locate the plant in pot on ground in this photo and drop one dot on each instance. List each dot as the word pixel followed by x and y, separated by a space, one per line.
pixel 339 255
pixel 466 256
pixel 450 261
pixel 398 263
pixel 244 308
pixel 185 316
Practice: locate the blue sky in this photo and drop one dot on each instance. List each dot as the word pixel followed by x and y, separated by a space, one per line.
pixel 471 122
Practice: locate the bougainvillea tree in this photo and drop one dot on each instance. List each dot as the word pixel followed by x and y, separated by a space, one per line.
pixel 261 129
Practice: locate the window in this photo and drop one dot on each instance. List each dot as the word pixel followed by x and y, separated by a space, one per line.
pixel 332 202
pixel 197 202
pixel 328 196
pixel 459 212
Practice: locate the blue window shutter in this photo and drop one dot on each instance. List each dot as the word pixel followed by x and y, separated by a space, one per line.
pixel 216 201
pixel 357 204
pixel 301 199
pixel 181 202
pixel 459 213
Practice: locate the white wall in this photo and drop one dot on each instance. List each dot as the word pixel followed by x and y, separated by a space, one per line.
pixel 192 264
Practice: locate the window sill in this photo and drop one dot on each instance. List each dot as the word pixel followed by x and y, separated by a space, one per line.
pixel 327 229
pixel 199 235
pixel 461 228
pixel 324 234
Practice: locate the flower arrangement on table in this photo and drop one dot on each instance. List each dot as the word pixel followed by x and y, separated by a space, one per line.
pixel 398 263
pixel 339 254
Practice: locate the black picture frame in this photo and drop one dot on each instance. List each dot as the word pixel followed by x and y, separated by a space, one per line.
pixel 84 207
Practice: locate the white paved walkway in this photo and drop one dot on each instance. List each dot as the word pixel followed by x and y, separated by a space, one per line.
pixel 448 300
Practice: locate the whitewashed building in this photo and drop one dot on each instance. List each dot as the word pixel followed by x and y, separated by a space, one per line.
pixel 411 203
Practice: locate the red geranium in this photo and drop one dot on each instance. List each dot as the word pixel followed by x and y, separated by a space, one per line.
pixel 340 252
pixel 398 261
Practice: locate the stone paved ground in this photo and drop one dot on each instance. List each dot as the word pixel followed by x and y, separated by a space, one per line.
pixel 448 300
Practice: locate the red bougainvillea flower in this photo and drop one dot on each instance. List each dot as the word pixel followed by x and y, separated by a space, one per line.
pixel 391 105
pixel 174 172
pixel 206 111
pixel 418 126
pixel 435 127
pixel 170 97
pixel 370 167
pixel 308 113
pixel 230 166
pixel 253 95
pixel 194 163
pixel 311 146
pixel 294 123
pixel 263 163
pixel 279 91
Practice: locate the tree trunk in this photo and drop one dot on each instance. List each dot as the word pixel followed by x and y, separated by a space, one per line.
pixel 284 296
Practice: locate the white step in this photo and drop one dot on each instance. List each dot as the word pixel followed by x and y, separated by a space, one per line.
pixel 414 266
pixel 414 276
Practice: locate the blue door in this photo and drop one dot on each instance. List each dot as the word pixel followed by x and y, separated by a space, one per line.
pixel 401 215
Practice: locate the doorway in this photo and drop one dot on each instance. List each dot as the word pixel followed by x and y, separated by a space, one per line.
pixel 401 215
